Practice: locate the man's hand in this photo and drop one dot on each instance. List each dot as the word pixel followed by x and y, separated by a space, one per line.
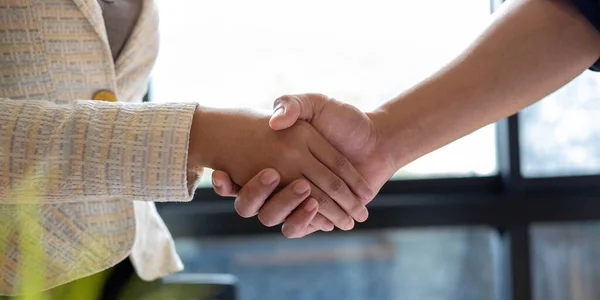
pixel 543 46
pixel 242 144
pixel 349 130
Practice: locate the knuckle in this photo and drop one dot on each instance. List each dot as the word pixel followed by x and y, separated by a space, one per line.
pixel 337 185
pixel 361 182
pixel 340 163
pixel 364 186
pixel 324 203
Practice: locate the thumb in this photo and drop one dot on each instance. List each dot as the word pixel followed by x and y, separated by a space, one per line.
pixel 223 185
pixel 286 111
pixel 290 108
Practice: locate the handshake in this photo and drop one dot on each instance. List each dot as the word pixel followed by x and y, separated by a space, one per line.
pixel 332 159
pixel 327 156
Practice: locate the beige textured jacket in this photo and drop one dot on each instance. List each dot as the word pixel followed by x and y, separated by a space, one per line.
pixel 77 176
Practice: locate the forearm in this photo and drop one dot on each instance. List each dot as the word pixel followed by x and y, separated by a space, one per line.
pixel 532 48
pixel 206 137
pixel 92 150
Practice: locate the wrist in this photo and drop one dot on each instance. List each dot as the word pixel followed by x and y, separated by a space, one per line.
pixel 194 165
pixel 382 146
pixel 200 149
pixel 396 137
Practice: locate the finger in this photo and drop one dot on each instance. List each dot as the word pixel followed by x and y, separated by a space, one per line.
pixel 342 167
pixel 223 185
pixel 285 113
pixel 283 204
pixel 296 225
pixel 254 194
pixel 311 229
pixel 336 189
pixel 319 222
pixel 289 108
pixel 322 223
pixel 330 210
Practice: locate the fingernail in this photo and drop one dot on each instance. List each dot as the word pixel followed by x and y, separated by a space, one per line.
pixel 311 205
pixel 363 215
pixel 280 110
pixel 328 226
pixel 349 225
pixel 301 187
pixel 268 177
pixel 216 184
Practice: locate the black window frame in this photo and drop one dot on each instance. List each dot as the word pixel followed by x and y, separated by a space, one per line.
pixel 507 202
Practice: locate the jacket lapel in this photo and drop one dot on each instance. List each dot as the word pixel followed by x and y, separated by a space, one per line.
pixel 93 13
pixel 145 28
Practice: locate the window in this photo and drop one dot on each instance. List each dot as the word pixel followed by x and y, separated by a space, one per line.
pixel 238 53
pixel 565 261
pixel 560 135
pixel 432 264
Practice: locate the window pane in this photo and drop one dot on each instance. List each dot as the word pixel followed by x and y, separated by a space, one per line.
pixel 237 53
pixel 433 264
pixel 560 135
pixel 566 261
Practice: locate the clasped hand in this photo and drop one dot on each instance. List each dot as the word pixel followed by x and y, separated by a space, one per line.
pixel 241 143
pixel 355 134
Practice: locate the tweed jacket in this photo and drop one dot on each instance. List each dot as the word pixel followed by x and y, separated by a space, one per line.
pixel 78 177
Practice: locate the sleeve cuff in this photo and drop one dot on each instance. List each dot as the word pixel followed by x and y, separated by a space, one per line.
pixel 145 150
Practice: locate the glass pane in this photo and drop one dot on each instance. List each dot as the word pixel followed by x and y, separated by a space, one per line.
pixel 560 135
pixel 566 261
pixel 433 264
pixel 237 53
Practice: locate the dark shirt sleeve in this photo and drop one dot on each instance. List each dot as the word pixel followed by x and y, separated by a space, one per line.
pixel 591 10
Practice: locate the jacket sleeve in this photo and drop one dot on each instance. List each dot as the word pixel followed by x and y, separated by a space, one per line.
pixel 91 150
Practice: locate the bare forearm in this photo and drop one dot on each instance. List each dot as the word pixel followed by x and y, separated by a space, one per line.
pixel 532 48
pixel 205 132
